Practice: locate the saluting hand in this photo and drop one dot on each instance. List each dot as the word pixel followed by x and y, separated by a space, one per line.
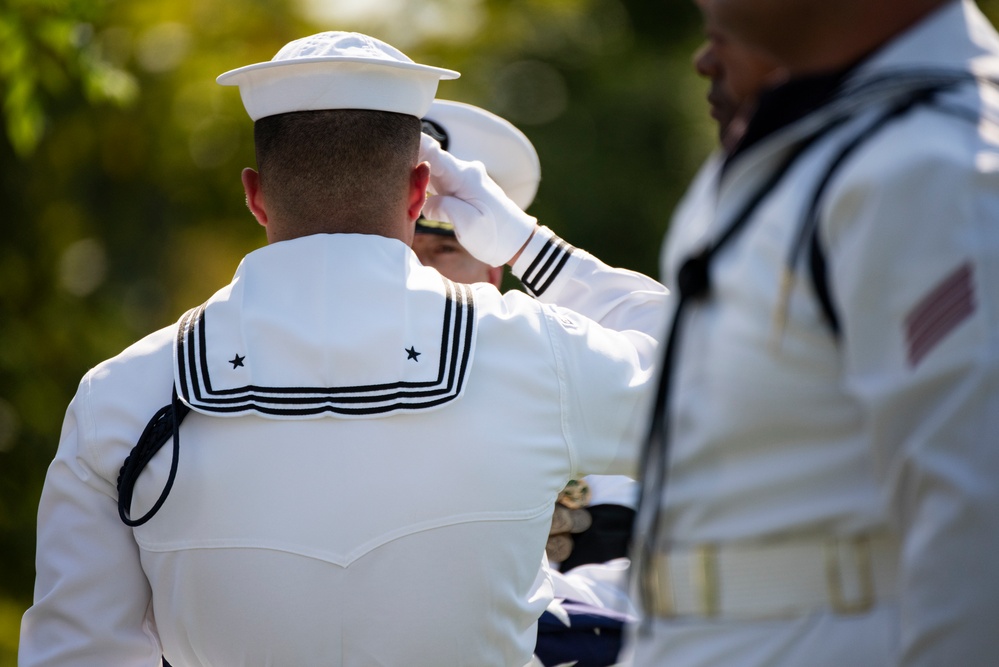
pixel 487 222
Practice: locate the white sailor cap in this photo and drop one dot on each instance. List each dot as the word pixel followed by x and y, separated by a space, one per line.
pixel 337 70
pixel 474 134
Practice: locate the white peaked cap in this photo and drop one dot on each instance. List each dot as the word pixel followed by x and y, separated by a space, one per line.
pixel 337 70
pixel 474 134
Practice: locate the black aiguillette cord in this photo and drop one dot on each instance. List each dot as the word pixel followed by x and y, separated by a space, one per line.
pixel 164 425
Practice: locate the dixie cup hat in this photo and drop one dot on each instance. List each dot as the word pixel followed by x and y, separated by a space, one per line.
pixel 337 70
pixel 474 134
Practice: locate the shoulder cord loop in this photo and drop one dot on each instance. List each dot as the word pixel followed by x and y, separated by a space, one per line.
pixel 807 234
pixel 164 425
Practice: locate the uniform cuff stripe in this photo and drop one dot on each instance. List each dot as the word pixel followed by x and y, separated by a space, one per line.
pixel 547 263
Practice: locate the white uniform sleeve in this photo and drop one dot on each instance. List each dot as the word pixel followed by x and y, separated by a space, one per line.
pixel 92 600
pixel 618 299
pixel 913 248
pixel 605 327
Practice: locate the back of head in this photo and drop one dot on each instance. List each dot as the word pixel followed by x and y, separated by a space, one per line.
pixel 343 170
pixel 337 131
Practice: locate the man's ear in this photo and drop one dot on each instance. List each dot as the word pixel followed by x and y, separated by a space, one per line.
pixel 254 197
pixel 419 179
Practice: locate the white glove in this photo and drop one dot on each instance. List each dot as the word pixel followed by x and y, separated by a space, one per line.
pixel 487 222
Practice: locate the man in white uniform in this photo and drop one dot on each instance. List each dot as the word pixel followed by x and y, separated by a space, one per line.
pixel 593 516
pixel 737 73
pixel 361 457
pixel 830 420
pixel 584 624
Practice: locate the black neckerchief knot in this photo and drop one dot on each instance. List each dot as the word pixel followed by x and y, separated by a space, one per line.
pixel 694 278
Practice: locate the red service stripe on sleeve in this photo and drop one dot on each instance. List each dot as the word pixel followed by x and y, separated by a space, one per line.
pixel 947 305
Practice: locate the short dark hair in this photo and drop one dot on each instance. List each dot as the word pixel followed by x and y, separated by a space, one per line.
pixel 339 170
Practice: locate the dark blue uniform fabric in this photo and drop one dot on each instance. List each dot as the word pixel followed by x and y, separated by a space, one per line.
pixel 593 637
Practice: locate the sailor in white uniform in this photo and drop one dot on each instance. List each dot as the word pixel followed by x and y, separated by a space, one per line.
pixel 344 458
pixel 823 489
pixel 584 623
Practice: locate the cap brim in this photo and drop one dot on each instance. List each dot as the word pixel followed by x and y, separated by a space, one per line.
pixel 233 77
pixel 426 226
pixel 321 83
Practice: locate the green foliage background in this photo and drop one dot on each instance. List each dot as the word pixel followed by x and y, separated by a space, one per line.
pixel 120 160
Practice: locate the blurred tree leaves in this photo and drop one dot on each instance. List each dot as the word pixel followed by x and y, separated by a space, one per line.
pixel 48 48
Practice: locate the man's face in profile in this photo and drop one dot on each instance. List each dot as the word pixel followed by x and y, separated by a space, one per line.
pixel 737 74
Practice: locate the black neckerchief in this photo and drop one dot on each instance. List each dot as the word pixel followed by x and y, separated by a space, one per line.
pixel 789 102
